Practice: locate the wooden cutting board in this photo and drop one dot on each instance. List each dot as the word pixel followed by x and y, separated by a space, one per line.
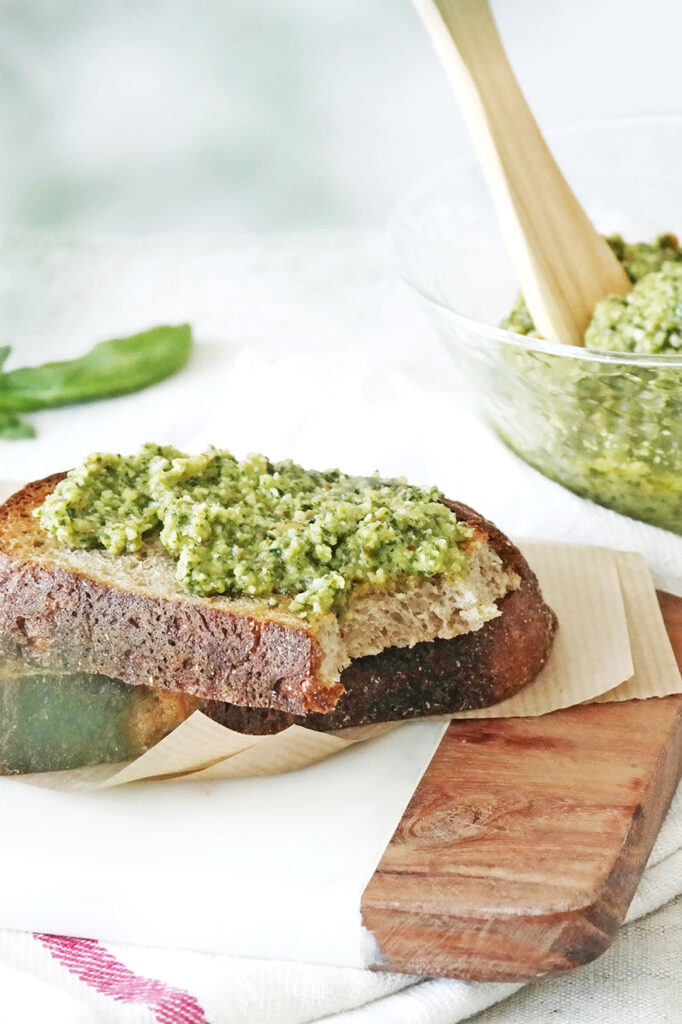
pixel 521 849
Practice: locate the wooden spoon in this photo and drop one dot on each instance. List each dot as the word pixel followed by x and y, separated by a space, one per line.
pixel 564 266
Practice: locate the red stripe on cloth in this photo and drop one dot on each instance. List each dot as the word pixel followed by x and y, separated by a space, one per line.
pixel 95 965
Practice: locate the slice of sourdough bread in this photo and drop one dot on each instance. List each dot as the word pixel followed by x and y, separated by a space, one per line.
pixel 125 616
pixel 51 722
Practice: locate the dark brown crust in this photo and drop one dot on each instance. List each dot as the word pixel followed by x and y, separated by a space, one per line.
pixel 58 620
pixel 440 677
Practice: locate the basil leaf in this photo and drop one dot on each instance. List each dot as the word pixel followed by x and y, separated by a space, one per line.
pixel 111 368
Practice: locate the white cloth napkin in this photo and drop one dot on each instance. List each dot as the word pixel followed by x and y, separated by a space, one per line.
pixel 73 981
pixel 334 366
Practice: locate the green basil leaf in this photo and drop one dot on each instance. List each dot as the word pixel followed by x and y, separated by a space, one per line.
pixel 111 368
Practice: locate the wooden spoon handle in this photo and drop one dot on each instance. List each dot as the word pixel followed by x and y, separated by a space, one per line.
pixel 564 266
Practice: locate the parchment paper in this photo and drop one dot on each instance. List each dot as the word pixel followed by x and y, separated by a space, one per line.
pixel 595 626
pixel 656 672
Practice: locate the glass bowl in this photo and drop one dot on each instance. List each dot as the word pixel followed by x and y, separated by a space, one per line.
pixel 606 425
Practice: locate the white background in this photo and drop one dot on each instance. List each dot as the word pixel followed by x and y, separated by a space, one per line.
pixel 214 115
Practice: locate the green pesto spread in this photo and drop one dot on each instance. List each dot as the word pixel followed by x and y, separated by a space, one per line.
pixel 257 528
pixel 608 430
pixel 648 319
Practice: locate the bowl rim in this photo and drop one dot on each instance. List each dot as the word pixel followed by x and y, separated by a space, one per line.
pixel 494 333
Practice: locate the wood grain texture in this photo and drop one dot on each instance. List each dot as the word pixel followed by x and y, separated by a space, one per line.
pixel 523 845
pixel 564 266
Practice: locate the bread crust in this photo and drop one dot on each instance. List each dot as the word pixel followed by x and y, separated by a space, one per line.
pixel 255 673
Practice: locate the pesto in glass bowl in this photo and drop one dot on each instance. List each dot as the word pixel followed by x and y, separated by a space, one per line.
pixel 604 420
pixel 610 435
